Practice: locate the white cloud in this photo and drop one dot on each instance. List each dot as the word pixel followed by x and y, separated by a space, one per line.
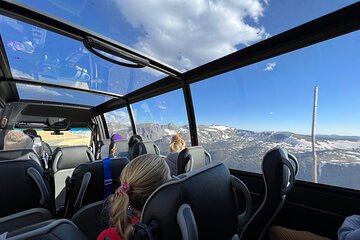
pixel 37 89
pixel 270 66
pixel 160 106
pixel 186 34
pixel 267 2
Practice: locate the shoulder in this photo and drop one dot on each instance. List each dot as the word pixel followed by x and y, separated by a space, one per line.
pixel 109 233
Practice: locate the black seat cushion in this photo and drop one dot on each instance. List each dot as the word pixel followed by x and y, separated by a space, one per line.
pixel 16 154
pixel 70 157
pixel 209 193
pixel 61 229
pixel 95 188
pixel 147 147
pixel 277 177
pixel 19 190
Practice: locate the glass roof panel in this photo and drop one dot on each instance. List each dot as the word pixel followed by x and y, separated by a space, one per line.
pixel 187 34
pixel 41 93
pixel 40 55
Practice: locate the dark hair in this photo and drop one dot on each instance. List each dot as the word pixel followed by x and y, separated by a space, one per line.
pixel 134 139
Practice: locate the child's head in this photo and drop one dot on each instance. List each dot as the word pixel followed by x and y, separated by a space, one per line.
pixel 139 179
pixel 177 143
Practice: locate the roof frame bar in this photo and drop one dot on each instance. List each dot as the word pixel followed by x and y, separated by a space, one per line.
pixel 51 23
pixel 60 86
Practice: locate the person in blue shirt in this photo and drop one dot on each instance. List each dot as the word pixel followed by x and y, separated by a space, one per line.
pixel 350 229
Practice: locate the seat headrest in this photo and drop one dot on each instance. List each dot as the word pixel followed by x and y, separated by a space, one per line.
pixel 19 154
pixel 204 190
pixel 278 172
pixel 121 146
pixel 71 156
pixel 147 147
pixel 192 158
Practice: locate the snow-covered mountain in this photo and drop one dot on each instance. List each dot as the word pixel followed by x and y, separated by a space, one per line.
pixel 338 156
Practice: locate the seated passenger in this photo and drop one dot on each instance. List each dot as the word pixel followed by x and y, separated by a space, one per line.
pixel 32 133
pixel 132 141
pixel 349 230
pixel 16 139
pixel 115 137
pixel 139 179
pixel 177 144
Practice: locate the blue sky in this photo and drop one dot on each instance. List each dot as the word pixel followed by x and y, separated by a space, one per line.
pixel 276 94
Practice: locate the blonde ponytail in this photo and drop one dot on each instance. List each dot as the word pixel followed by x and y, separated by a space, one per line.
pixel 139 179
pixel 118 217
pixel 177 143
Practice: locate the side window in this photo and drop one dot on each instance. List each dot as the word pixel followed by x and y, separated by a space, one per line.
pixel 244 113
pixel 159 118
pixel 118 121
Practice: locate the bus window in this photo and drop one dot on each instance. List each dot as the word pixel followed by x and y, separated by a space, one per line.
pixel 244 113
pixel 118 121
pixel 159 118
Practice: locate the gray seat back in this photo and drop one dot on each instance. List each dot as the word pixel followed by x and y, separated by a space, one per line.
pixel 64 161
pixel 19 154
pixel 210 198
pixel 146 147
pixel 279 177
pixel 122 148
pixel 23 187
pixel 192 158
pixel 86 184
pixel 88 219
pixel 23 219
pixel 61 229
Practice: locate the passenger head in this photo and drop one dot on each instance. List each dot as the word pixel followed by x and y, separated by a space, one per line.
pixel 16 139
pixel 31 133
pixel 139 179
pixel 134 139
pixel 115 137
pixel 177 143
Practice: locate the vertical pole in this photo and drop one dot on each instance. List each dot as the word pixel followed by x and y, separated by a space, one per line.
pixel 131 116
pixel 190 113
pixel 315 172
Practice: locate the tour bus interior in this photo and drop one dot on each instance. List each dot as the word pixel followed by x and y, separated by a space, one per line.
pixel 77 86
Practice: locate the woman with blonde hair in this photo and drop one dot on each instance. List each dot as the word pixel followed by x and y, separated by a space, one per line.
pixel 139 179
pixel 177 144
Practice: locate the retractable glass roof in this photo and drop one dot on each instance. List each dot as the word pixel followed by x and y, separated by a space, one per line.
pixel 37 54
pixel 79 46
pixel 49 94
pixel 187 34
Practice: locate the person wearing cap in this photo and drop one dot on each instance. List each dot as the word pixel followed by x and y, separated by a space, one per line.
pixel 114 138
pixel 16 139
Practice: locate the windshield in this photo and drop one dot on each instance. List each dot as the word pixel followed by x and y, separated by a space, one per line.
pixel 75 136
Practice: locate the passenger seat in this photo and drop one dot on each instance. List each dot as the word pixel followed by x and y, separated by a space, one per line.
pixel 201 204
pixel 192 158
pixel 64 160
pixel 86 184
pixel 17 154
pixel 146 147
pixel 23 187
